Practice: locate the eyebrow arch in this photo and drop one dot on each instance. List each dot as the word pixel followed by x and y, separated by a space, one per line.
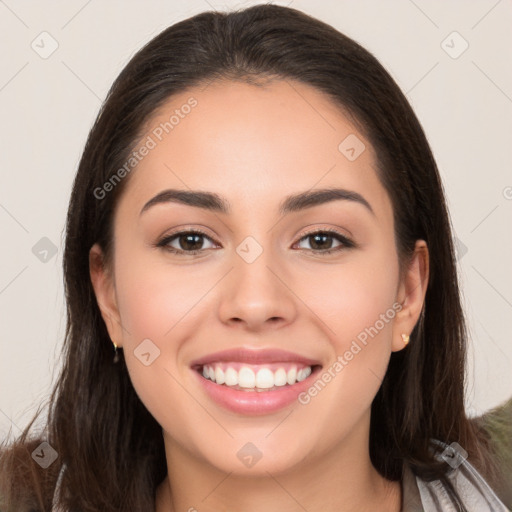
pixel 294 203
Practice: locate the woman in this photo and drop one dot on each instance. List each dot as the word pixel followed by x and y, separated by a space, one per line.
pixel 256 368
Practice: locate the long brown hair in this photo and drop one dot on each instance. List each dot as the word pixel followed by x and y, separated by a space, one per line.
pixel 112 447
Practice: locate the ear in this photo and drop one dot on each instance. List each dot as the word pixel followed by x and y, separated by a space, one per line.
pixel 103 283
pixel 411 294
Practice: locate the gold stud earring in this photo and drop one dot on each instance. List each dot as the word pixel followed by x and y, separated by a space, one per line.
pixel 116 354
pixel 406 338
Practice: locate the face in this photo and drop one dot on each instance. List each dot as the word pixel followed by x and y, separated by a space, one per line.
pixel 307 299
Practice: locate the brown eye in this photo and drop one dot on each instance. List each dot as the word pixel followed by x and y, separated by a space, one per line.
pixel 322 241
pixel 185 242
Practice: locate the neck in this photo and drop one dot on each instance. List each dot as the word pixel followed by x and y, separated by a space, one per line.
pixel 342 480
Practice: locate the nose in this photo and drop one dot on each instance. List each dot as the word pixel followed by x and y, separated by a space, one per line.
pixel 257 295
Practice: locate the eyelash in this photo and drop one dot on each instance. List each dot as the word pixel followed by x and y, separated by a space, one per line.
pixel 346 243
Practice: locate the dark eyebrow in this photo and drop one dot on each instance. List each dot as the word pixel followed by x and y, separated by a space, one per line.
pixel 206 200
pixel 294 203
pixel 315 197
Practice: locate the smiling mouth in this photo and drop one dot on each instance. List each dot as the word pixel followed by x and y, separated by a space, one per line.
pixel 256 378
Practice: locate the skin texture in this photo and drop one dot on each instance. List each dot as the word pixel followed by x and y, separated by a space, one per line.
pixel 255 145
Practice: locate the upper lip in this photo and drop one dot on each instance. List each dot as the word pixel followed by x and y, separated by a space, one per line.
pixel 254 356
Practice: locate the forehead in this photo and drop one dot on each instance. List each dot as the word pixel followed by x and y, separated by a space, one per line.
pixel 254 143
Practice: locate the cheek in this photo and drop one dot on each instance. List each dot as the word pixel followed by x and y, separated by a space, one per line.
pixel 155 297
pixel 354 299
pixel 156 304
pixel 359 311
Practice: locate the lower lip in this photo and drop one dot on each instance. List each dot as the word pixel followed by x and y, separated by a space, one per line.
pixel 255 402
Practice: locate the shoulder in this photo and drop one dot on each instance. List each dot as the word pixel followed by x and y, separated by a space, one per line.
pixel 470 486
pixel 497 423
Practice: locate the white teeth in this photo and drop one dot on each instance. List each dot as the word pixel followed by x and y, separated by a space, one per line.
pixel 280 377
pixel 258 380
pixel 291 376
pixel 219 376
pixel 304 373
pixel 264 379
pixel 246 378
pixel 231 377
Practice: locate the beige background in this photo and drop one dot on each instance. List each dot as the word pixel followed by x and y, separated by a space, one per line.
pixel 48 105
